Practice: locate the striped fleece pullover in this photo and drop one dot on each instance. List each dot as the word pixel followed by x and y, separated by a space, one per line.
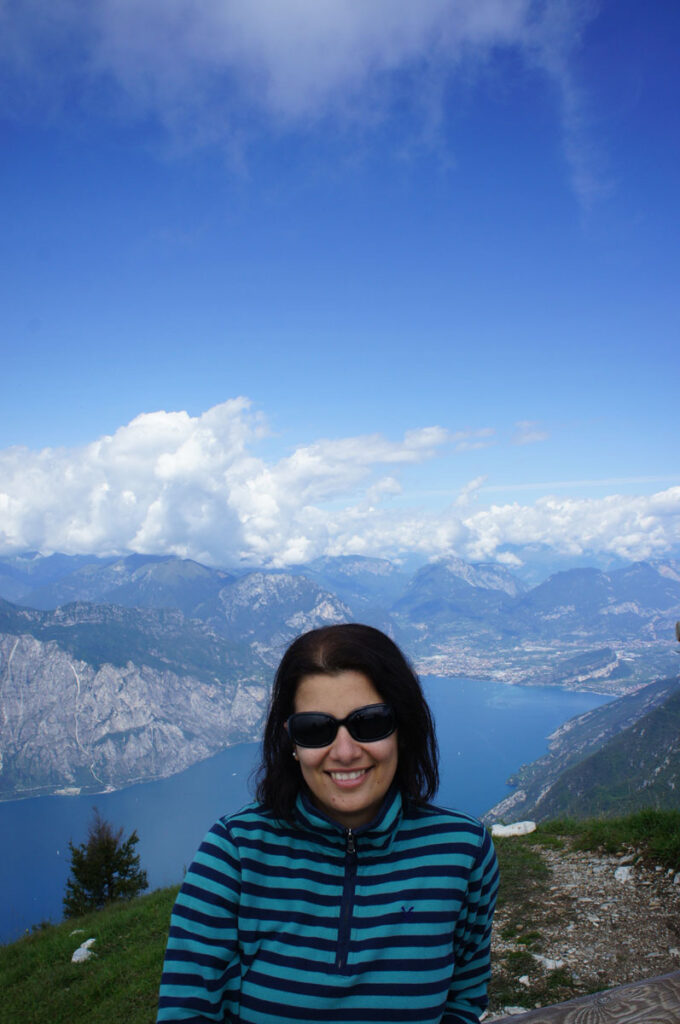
pixel 309 921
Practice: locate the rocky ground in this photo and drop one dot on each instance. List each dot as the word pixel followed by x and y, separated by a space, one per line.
pixel 584 923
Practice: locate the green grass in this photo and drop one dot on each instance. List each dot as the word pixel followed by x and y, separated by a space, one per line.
pixel 40 985
pixel 655 833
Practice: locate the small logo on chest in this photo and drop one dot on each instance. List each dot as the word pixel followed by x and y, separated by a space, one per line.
pixel 405 911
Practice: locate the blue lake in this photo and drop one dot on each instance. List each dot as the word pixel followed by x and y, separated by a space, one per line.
pixel 486 731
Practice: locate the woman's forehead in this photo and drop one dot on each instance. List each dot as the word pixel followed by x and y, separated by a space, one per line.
pixel 336 694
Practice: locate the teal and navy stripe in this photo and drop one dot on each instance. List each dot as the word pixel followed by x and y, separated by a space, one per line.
pixel 304 922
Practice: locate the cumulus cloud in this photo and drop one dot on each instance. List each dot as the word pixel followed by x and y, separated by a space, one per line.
pixel 213 69
pixel 629 526
pixel 194 486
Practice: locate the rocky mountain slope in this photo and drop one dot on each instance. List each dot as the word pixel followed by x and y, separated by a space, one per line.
pixel 610 761
pixel 137 581
pixel 97 696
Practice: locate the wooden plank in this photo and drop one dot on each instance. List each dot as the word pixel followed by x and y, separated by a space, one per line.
pixel 653 1001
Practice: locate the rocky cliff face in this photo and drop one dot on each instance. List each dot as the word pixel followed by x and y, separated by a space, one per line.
pixel 72 723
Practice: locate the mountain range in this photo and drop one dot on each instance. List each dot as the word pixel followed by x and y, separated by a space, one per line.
pixel 125 668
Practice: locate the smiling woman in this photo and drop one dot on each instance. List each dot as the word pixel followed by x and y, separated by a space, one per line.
pixel 342 894
pixel 348 777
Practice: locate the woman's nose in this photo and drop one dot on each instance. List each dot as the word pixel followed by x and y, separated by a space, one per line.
pixel 344 747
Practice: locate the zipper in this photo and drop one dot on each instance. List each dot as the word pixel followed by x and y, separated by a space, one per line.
pixel 347 905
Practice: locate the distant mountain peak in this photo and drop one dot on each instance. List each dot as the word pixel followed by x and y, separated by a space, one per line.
pixel 485 575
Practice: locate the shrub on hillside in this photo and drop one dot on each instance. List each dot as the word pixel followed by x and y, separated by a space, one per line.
pixel 105 868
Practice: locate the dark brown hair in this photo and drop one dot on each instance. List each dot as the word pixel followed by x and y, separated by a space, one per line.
pixel 330 651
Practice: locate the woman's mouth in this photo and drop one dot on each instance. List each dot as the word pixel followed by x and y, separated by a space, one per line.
pixel 349 777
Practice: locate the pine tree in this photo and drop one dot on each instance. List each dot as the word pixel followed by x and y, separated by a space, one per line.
pixel 103 869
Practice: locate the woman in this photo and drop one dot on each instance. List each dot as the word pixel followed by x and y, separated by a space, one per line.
pixel 343 894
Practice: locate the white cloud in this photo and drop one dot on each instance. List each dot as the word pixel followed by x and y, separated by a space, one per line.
pixel 194 486
pixel 553 36
pixel 209 71
pixel 629 526
pixel 470 492
pixel 169 482
pixel 528 432
pixel 471 440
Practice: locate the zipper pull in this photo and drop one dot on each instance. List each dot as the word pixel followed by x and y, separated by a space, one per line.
pixel 351 845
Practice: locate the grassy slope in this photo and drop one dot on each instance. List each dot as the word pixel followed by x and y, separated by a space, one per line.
pixel 40 985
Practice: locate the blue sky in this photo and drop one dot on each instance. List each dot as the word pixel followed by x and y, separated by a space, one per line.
pixel 294 277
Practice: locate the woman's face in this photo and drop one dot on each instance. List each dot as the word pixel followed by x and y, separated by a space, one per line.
pixel 347 779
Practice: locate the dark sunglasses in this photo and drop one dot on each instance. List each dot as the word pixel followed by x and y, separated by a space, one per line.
pixel 365 725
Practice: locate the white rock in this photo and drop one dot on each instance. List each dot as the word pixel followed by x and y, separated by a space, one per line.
pixel 512 1011
pixel 524 980
pixel 676 880
pixel 518 828
pixel 623 874
pixel 545 961
pixel 83 952
pixel 81 955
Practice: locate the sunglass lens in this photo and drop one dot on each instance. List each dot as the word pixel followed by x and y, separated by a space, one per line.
pixel 311 730
pixel 370 724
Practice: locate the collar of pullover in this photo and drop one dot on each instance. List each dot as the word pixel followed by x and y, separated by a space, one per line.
pixel 378 834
